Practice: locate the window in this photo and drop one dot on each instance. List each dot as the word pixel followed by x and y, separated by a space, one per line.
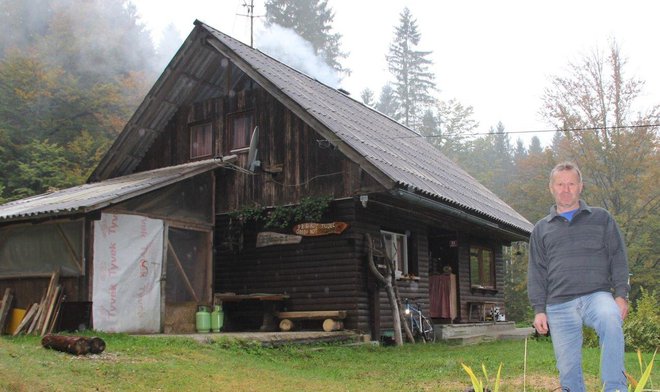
pixel 396 248
pixel 482 267
pixel 240 130
pixel 201 141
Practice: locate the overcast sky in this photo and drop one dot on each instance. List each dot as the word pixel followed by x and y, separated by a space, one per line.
pixel 496 56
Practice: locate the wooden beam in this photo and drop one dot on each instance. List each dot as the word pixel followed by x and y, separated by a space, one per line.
pixel 7 300
pixel 183 273
pixel 69 247
pixel 313 315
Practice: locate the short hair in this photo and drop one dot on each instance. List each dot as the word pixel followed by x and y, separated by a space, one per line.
pixel 566 166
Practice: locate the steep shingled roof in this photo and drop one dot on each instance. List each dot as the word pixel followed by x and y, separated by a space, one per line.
pixel 399 152
pixel 401 159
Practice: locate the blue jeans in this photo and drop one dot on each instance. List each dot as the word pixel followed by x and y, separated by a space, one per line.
pixel 598 311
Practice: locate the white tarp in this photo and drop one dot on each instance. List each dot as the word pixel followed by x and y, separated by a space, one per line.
pixel 128 256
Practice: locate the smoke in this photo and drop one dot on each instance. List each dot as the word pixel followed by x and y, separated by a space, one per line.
pixel 291 49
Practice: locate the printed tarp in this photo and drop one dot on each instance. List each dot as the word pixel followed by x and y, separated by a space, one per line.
pixel 128 255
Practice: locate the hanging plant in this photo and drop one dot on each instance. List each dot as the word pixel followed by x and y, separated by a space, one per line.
pixel 310 209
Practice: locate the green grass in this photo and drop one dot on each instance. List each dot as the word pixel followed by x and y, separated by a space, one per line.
pixel 140 363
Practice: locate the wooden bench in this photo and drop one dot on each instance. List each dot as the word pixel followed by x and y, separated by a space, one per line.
pixel 332 319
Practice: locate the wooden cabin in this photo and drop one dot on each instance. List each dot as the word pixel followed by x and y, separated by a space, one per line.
pixel 270 142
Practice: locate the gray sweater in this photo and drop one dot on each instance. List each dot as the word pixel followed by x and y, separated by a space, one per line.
pixel 571 259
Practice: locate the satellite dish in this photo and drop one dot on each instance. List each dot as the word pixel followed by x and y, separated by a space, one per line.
pixel 252 162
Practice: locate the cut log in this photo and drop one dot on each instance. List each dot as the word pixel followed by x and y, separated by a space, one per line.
pixel 330 325
pixel 286 325
pixel 69 344
pixel 96 345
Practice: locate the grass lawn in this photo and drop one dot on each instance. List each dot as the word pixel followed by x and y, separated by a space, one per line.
pixel 140 363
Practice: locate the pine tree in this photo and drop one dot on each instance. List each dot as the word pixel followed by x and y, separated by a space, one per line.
pixel 413 82
pixel 367 97
pixel 312 20
pixel 386 101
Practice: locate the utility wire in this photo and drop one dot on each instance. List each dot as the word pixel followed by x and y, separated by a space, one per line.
pixel 586 129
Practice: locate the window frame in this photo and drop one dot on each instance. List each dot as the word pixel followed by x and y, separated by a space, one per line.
pixel 479 251
pixel 402 265
pixel 205 126
pixel 231 130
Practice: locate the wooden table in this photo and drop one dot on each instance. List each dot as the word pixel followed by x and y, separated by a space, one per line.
pixel 269 305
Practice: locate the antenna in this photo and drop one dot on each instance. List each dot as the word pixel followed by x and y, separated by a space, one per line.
pixel 252 162
pixel 250 14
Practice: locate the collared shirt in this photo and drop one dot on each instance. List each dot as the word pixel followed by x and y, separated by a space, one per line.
pixel 568 259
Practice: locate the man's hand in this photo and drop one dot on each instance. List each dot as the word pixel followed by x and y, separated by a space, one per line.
pixel 623 306
pixel 541 323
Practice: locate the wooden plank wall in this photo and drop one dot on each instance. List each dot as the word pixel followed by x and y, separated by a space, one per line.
pixel 377 217
pixel 465 294
pixel 30 290
pixel 320 273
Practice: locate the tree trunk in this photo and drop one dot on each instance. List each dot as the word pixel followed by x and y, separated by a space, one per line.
pixel 392 294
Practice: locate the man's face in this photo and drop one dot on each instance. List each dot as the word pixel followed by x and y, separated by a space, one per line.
pixel 566 188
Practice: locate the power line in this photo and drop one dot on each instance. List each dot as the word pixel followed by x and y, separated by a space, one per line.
pixel 570 129
pixel 585 129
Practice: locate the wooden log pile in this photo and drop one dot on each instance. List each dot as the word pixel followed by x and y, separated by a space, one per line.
pixel 41 318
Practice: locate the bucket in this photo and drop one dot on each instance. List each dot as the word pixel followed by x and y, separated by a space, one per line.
pixel 15 317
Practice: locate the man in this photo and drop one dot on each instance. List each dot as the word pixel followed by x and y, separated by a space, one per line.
pixel 578 274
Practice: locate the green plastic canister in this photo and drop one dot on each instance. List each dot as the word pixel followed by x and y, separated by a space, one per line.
pixel 217 318
pixel 203 319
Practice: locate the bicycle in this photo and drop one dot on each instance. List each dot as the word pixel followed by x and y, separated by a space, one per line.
pixel 420 326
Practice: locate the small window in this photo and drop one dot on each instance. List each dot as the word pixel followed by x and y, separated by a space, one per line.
pixel 240 130
pixel 201 141
pixel 396 248
pixel 482 267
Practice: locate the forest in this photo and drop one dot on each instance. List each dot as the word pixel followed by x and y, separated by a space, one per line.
pixel 72 74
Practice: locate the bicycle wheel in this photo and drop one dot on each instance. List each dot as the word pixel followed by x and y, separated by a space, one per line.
pixel 416 330
pixel 428 333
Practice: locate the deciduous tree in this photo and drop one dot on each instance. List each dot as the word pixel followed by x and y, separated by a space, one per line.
pixel 616 145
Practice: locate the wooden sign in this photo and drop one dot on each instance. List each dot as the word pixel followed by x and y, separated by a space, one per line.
pixel 317 229
pixel 268 238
